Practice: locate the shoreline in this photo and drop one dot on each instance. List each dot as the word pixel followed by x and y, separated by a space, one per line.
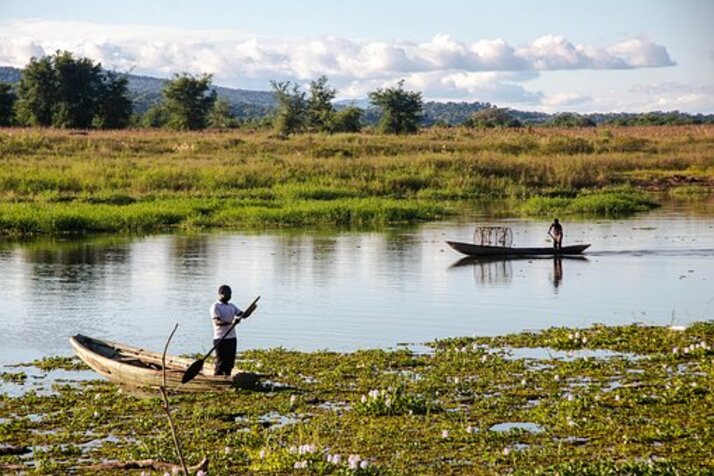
pixel 55 183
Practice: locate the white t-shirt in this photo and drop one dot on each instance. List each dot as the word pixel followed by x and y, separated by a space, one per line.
pixel 226 313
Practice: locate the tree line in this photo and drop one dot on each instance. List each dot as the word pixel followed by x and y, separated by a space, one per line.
pixel 64 91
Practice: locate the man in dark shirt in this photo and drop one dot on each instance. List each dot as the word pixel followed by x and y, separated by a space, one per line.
pixel 556 232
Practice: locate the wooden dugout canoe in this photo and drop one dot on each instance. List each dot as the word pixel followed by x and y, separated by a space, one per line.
pixel 479 250
pixel 137 367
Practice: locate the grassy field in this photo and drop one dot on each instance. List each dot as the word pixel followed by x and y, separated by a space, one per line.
pixel 58 182
pixel 603 400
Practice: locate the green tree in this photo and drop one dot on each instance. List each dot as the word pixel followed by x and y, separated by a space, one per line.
pixel 113 108
pixel 320 112
pixel 401 111
pixel 155 117
pixel 493 117
pixel 188 100
pixel 63 91
pixel 290 117
pixel 7 104
pixel 221 116
pixel 37 92
pixel 568 119
pixel 348 119
pixel 78 84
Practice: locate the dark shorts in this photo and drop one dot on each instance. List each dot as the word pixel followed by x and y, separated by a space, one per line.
pixel 225 356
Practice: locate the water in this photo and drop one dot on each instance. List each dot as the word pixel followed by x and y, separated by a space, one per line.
pixel 350 290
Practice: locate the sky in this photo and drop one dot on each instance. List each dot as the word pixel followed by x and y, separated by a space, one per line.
pixel 547 55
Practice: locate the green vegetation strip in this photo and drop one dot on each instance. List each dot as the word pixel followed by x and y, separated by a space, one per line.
pixel 469 406
pixel 53 182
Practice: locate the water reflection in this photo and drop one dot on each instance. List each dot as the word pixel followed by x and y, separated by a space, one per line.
pixel 557 271
pixel 488 271
pixel 498 270
pixel 345 290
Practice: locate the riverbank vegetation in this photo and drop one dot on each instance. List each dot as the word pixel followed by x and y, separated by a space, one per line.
pixel 54 181
pixel 600 400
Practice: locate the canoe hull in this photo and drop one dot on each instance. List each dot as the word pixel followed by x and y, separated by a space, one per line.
pixel 136 367
pixel 478 250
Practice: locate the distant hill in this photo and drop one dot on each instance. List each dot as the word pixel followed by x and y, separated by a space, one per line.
pixel 145 91
pixel 10 75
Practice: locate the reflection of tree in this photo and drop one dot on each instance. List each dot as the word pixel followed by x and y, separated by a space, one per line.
pixel 74 261
pixel 298 256
pixel 65 286
pixel 76 252
pixel 189 253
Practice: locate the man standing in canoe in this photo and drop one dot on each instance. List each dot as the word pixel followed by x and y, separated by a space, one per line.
pixel 556 232
pixel 223 314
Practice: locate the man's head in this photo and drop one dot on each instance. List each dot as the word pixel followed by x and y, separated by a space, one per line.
pixel 555 220
pixel 224 293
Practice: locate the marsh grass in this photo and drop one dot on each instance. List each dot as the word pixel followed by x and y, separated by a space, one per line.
pixel 644 410
pixel 54 182
pixel 608 202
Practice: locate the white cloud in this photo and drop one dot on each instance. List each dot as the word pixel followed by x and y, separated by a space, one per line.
pixel 442 67
pixel 666 96
pixel 215 50
pixel 17 51
pixel 642 53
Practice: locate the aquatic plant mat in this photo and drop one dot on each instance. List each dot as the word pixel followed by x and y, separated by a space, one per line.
pixel 601 400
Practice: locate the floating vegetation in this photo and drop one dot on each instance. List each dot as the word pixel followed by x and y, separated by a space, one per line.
pixel 58 363
pixel 645 407
pixel 14 377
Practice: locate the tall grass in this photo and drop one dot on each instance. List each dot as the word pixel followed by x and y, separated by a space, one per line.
pixel 52 181
pixel 609 202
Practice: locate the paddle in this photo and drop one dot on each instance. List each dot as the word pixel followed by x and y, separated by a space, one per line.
pixel 197 366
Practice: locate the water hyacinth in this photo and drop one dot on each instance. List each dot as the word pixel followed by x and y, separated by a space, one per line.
pixel 392 401
pixel 306 449
pixel 662 409
pixel 353 461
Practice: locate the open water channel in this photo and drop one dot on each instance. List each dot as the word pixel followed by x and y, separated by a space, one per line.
pixel 349 290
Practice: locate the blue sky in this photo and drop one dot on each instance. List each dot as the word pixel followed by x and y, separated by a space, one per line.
pixel 552 56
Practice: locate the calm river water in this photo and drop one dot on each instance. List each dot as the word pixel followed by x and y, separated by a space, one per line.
pixel 350 290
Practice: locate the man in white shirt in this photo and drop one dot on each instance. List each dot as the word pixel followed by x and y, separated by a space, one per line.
pixel 223 313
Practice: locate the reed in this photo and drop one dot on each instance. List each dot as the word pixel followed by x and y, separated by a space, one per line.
pixel 53 181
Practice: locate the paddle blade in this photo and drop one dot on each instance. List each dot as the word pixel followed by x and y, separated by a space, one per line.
pixel 193 370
